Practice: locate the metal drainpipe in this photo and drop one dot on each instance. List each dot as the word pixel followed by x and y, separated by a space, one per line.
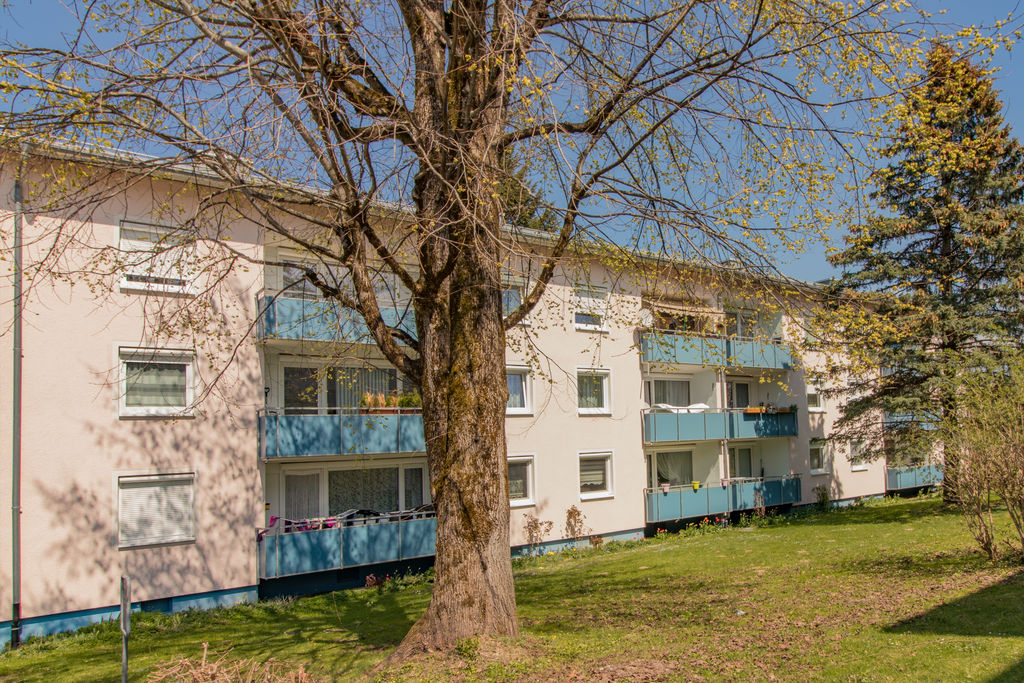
pixel 16 419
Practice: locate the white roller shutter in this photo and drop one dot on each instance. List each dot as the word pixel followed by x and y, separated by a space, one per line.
pixel 155 509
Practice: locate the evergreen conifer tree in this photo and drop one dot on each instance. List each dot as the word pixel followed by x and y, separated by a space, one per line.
pixel 941 272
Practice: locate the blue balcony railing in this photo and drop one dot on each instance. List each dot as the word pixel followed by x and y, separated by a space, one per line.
pixel 321 320
pixel 672 347
pixel 683 502
pixel 389 538
pixel 897 478
pixel 350 432
pixel 665 426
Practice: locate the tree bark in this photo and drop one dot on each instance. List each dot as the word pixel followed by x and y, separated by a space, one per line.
pixel 464 396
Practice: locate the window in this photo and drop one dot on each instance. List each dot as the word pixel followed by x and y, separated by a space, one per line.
pixel 816 458
pixel 313 390
pixel 858 460
pixel 155 382
pixel 595 475
pixel 590 303
pixel 674 468
pixel 673 321
pixel 520 480
pixel 741 323
pixel 593 393
pixel 737 394
pixel 740 462
pixel 381 489
pixel 311 493
pixel 347 387
pixel 295 285
pixel 154 259
pixel 511 297
pixel 301 496
pixel 155 509
pixel 671 392
pixel 815 404
pixel 519 398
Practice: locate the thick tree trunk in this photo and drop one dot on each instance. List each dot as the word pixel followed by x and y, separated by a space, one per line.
pixel 464 396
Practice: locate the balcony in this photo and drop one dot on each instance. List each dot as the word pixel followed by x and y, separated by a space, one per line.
pixel 898 478
pixel 665 426
pixel 350 432
pixel 320 320
pixel 683 502
pixel 672 347
pixel 387 538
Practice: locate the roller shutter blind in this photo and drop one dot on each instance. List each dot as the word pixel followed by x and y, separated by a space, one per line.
pixel 155 509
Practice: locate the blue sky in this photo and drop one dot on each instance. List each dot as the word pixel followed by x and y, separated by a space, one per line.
pixel 40 23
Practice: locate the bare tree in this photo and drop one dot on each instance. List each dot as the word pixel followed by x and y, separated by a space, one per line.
pixel 373 135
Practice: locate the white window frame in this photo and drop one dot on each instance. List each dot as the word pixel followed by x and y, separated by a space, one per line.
pixel 824 469
pixel 609 473
pixel 126 354
pixel 530 499
pixel 594 303
pixel 159 260
pixel 755 456
pixel 606 386
pixel 124 480
pixel 523 287
pixel 812 390
pixel 527 408
pixel 855 447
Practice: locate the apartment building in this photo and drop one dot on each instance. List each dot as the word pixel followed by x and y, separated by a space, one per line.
pixel 265 446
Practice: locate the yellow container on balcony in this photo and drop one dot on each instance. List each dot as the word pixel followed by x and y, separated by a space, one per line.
pixel 696 485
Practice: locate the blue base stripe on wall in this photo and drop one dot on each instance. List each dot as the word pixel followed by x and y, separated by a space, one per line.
pixel 48 625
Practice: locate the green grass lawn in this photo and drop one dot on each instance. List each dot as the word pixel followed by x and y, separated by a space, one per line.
pixel 886 591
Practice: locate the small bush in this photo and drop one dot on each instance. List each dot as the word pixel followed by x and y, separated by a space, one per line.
pixel 822 498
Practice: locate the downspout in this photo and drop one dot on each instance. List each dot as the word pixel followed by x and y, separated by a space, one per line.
pixel 16 417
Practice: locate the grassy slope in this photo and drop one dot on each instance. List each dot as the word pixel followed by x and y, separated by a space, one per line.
pixel 890 591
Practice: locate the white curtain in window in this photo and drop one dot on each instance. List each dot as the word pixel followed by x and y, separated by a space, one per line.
pixel 593 474
pixel 516 389
pixel 353 383
pixel 369 489
pixel 672 392
pixel 301 496
pixel 591 390
pixel 155 384
pixel 413 487
pixel 675 468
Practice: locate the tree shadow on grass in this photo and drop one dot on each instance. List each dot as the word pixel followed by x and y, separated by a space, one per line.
pixel 338 634
pixel 908 510
pixel 997 610
pixel 919 564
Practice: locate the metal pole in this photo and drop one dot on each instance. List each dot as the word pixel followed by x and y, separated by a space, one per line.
pixel 16 422
pixel 126 624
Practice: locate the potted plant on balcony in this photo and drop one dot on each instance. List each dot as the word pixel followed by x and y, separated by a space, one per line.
pixel 753 410
pixel 410 399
